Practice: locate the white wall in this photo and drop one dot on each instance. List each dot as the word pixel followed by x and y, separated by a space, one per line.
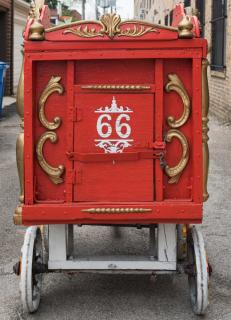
pixel 21 9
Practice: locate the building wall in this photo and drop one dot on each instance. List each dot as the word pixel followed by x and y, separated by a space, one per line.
pixel 6 39
pixel 219 81
pixel 152 10
pixel 21 9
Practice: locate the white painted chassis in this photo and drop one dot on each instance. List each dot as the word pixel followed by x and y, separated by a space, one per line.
pixel 162 257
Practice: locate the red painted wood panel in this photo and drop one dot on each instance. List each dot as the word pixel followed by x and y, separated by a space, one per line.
pixel 116 71
pixel 55 106
pixel 173 106
pixel 162 212
pixel 114 124
pixel 119 183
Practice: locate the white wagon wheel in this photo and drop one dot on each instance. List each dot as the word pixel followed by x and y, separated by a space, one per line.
pixel 30 281
pixel 198 276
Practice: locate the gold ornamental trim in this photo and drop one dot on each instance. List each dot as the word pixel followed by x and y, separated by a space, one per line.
pixel 116 210
pixel 205 128
pixel 52 86
pixel 20 139
pixel 36 31
pixel 116 87
pixel 175 172
pixel 110 25
pixel 176 85
pixel 53 173
pixel 89 31
pixel 17 217
pixel 185 28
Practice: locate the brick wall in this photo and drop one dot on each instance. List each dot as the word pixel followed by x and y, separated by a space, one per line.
pixel 219 81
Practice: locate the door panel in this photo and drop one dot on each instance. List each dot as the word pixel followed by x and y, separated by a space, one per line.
pixel 111 137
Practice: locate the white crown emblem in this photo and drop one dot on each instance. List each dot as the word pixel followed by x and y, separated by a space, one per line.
pixel 114 108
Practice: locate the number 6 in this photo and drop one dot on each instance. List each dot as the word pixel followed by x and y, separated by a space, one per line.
pixel 119 126
pixel 101 124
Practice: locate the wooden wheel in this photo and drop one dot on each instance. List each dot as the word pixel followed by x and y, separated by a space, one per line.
pixel 198 271
pixel 31 281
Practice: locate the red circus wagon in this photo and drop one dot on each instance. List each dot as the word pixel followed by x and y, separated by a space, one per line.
pixel 115 134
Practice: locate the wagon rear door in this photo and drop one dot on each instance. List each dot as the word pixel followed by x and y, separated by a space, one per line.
pixel 112 136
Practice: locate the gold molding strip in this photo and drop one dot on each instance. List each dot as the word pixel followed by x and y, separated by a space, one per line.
pixel 175 84
pixel 110 25
pixel 116 210
pixel 205 129
pixel 52 86
pixel 17 218
pixel 53 173
pixel 175 172
pixel 116 87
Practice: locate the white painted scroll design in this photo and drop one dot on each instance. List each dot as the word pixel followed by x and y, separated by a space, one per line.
pixel 105 128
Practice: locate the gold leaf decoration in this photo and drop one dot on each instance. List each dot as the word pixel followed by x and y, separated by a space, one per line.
pixel 175 172
pixel 52 86
pixel 53 173
pixel 111 25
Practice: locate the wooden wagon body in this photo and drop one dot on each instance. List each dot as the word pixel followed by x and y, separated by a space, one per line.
pixel 115 118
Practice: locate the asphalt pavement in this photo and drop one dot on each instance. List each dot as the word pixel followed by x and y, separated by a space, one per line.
pixel 118 297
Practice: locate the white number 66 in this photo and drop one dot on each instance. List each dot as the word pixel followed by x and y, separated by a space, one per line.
pixel 118 126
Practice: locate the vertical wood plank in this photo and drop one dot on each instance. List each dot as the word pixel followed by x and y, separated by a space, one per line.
pixel 167 242
pixel 158 129
pixel 196 151
pixel 70 129
pixel 29 114
pixel 57 242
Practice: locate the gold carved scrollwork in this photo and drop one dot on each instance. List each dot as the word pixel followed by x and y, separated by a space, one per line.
pixel 175 84
pixel 110 25
pixel 53 173
pixel 52 86
pixel 175 172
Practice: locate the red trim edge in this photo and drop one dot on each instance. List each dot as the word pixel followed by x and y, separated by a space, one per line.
pixel 162 212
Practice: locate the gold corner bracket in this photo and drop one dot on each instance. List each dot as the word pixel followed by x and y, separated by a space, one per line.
pixel 175 84
pixel 205 129
pixel 174 173
pixel 53 173
pixel 52 86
